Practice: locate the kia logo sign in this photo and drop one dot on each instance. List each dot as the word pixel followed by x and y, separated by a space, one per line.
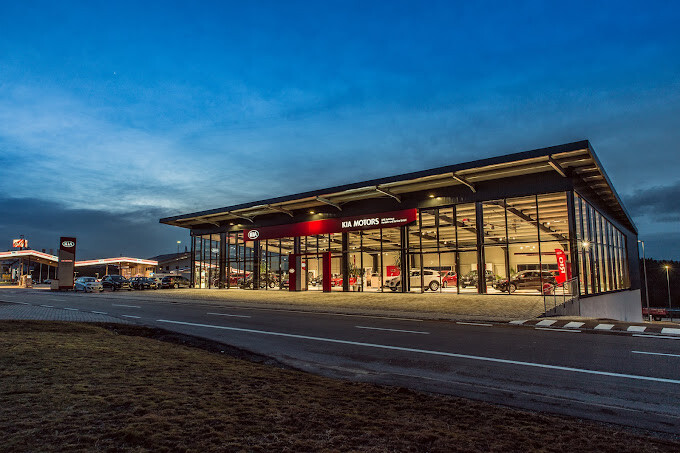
pixel 68 244
pixel 253 234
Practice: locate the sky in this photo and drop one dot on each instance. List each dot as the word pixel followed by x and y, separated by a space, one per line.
pixel 115 114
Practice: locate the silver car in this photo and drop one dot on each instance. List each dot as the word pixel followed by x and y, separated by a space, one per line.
pixel 87 284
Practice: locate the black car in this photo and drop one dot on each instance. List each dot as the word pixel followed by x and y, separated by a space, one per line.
pixel 265 281
pixel 141 283
pixel 175 281
pixel 527 280
pixel 116 282
pixel 471 278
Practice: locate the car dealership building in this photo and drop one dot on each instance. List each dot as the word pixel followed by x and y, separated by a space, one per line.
pixel 523 223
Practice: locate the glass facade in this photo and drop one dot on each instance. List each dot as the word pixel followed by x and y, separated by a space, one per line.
pixel 603 261
pixel 519 245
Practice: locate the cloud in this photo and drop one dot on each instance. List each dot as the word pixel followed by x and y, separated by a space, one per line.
pixel 100 233
pixel 662 202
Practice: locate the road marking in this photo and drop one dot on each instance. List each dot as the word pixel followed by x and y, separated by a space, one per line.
pixel 519 322
pixel 555 329
pixel 392 330
pixel 546 322
pixel 425 351
pixel 670 330
pixel 100 312
pixel 636 328
pixel 655 353
pixel 319 313
pixel 48 306
pixel 130 316
pixel 72 309
pixel 225 314
pixel 604 327
pixel 656 336
pixel 573 325
pixel 475 324
pixel 22 303
pixel 128 306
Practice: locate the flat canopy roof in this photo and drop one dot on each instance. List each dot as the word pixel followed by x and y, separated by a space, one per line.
pixel 46 258
pixel 572 159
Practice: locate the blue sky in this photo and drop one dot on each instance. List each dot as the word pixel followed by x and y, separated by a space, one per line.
pixel 124 112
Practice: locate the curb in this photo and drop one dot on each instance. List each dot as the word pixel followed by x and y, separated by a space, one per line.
pixel 599 327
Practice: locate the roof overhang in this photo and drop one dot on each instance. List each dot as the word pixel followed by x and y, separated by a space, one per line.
pixel 573 160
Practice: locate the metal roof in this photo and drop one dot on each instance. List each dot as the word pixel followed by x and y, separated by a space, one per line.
pixel 575 159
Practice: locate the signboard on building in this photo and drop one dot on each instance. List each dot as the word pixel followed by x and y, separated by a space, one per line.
pixel 337 225
pixel 20 243
pixel 67 260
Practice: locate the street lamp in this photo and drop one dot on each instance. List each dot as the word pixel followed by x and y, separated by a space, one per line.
pixel 668 281
pixel 178 243
pixel 644 266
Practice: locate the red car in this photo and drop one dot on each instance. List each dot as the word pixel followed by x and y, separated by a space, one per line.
pixel 449 278
pixel 337 281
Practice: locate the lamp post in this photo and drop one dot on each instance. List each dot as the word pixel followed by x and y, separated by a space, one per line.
pixel 644 267
pixel 668 281
pixel 178 243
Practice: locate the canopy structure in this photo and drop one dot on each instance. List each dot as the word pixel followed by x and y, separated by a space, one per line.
pixel 52 260
pixel 575 161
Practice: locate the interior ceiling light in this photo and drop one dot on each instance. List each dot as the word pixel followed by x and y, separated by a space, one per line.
pixel 431 195
pixel 311 212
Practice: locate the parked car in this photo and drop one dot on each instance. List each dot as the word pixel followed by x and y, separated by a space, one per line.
pixel 157 281
pixel 140 283
pixel 449 278
pixel 430 280
pixel 175 281
pixel 337 281
pixel 527 280
pixel 115 282
pixel 87 284
pixel 265 281
pixel 470 279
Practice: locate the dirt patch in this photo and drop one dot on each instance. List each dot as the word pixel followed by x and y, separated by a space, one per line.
pixel 79 387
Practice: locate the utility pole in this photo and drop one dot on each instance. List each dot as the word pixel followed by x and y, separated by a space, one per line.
pixel 644 266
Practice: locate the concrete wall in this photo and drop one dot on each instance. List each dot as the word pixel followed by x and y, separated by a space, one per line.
pixel 622 306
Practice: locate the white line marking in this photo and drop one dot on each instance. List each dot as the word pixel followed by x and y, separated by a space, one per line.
pixel 130 316
pixel 636 328
pixel 604 327
pixel 655 353
pixel 48 306
pixel 72 309
pixel 670 330
pixel 100 312
pixel 319 313
pixel 475 324
pixel 546 322
pixel 225 314
pixel 573 325
pixel 128 306
pixel 425 351
pixel 555 329
pixel 655 336
pixel 518 322
pixel 392 330
pixel 22 303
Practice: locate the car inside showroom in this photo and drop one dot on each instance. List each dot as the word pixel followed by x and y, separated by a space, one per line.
pixel 523 223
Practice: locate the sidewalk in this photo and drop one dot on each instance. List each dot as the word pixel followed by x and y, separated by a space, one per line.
pixel 601 325
pixel 20 311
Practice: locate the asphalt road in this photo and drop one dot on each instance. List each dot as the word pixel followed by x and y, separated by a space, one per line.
pixel 632 380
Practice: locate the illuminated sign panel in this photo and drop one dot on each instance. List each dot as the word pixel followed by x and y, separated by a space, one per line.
pixel 67 258
pixel 339 225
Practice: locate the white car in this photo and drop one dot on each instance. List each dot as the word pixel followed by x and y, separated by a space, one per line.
pixel 87 284
pixel 430 280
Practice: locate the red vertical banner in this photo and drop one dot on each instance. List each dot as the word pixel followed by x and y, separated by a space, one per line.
pixel 561 266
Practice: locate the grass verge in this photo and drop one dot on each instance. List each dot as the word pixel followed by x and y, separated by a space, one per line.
pixel 79 387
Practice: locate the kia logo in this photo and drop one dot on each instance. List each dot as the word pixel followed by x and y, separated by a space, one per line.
pixel 68 244
pixel 253 234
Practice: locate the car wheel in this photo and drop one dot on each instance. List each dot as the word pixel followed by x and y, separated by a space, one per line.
pixel 272 284
pixel 177 285
pixel 434 285
pixel 444 284
pixel 393 288
pixel 512 288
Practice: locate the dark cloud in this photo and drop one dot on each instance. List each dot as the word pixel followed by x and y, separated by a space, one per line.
pixel 660 202
pixel 662 246
pixel 100 234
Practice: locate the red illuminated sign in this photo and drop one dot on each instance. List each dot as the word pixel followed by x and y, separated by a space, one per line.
pixel 326 226
pixel 17 243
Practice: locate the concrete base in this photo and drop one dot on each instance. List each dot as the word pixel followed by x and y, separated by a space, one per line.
pixel 622 306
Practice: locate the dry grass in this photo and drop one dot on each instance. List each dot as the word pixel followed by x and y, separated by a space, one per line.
pixel 77 387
